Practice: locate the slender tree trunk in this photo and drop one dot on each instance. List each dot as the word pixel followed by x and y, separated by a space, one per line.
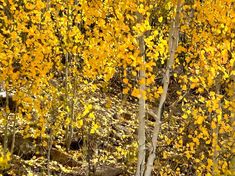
pixel 141 114
pixel 173 42
pixel 49 151
pixel 50 122
pixel 13 133
pixel 216 132
pixel 7 111
pixel 72 117
pixel 69 131
pixel 67 101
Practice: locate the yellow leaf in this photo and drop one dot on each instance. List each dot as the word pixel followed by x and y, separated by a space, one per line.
pixel 188 155
pixel 185 116
pixel 79 123
pixel 87 110
pixel 184 87
pixel 142 81
pixel 125 80
pixel 160 90
pixel 200 90
pixel 178 93
pixel 156 95
pixel 94 128
pixel 213 125
pixel 209 162
pixel 136 93
pixel 125 91
pixel 160 19
pixel 219 117
pixel 181 49
pixel 199 120
pixel 134 73
pixel 196 141
pixel 150 80
pixel 91 115
pixel 202 99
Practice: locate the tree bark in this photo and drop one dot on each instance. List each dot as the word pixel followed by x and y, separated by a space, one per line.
pixel 173 42
pixel 67 133
pixel 7 112
pixel 141 113
pixel 13 133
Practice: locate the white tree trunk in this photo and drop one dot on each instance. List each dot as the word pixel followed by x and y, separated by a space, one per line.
pixel 173 42
pixel 141 114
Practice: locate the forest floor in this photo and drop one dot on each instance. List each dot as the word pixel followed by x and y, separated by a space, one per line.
pixel 116 135
pixel 111 151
